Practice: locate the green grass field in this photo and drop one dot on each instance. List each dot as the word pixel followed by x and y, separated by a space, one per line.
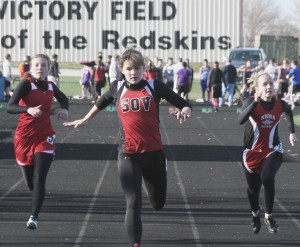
pixel 71 87
pixel 297 120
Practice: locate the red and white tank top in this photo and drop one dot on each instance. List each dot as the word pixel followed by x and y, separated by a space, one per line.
pixel 138 114
pixel 28 126
pixel 264 124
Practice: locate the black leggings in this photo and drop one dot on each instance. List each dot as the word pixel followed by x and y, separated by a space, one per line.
pixel 35 178
pixel 269 168
pixel 132 168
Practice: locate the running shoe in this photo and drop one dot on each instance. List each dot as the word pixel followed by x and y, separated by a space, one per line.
pixel 32 222
pixel 256 224
pixel 271 224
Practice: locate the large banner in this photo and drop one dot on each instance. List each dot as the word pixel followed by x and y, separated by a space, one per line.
pixel 77 30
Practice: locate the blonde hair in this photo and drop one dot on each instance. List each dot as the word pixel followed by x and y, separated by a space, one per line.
pixel 258 76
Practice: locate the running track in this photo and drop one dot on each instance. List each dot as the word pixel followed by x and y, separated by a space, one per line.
pixel 206 202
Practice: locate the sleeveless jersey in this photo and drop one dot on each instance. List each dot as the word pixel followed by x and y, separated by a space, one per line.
pixel 28 126
pixel 138 113
pixel 264 125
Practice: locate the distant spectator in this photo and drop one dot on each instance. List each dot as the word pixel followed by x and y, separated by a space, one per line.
pixel 168 73
pixel 150 71
pixel 114 70
pixel 107 65
pixel 204 71
pixel 93 62
pixel 177 66
pixel 230 75
pixel 85 81
pixel 6 87
pixel 246 71
pixel 215 79
pixel 271 69
pixel 98 77
pixel 24 67
pixel 294 75
pixel 7 73
pixel 54 70
pixel 159 70
pixel 260 67
pixel 183 78
pixel 283 82
pixel 192 76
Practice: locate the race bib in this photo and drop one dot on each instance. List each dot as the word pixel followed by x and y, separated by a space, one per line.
pixel 51 139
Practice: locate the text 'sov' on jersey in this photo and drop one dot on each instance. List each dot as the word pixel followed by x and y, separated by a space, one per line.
pixel 263 136
pixel 138 113
pixel 29 126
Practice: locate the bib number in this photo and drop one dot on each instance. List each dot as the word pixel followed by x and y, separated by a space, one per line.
pixel 51 139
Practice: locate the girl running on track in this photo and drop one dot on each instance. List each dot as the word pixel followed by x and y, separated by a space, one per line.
pixel 34 139
pixel 140 149
pixel 262 155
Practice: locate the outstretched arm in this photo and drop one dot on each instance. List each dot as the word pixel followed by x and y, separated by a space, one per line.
pixel 183 109
pixel 104 101
pixel 181 115
pixel 85 120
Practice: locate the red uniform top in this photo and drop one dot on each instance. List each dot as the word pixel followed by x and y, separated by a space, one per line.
pixel 138 113
pixel 99 71
pixel 28 126
pixel 264 124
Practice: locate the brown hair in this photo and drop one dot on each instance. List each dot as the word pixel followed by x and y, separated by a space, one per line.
pixel 132 55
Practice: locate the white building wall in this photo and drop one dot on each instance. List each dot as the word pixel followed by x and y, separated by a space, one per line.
pixel 192 21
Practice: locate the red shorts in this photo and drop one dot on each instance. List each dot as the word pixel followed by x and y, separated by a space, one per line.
pixel 26 148
pixel 252 159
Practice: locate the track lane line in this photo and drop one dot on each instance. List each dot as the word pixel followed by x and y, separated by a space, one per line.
pixel 187 206
pixel 11 189
pixel 94 199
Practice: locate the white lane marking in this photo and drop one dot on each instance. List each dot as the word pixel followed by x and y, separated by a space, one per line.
pixel 93 201
pixel 11 189
pixel 91 207
pixel 183 194
pixel 292 218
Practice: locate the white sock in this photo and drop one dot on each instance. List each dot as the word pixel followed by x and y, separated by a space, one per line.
pixel 267 216
pixel 255 214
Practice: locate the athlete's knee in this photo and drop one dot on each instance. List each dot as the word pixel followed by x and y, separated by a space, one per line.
pixel 134 203
pixel 253 191
pixel 268 181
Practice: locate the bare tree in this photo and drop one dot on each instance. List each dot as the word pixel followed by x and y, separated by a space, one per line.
pixel 284 28
pixel 259 15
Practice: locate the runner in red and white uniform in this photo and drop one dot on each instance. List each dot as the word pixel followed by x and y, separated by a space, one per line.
pixel 34 138
pixel 263 152
pixel 141 153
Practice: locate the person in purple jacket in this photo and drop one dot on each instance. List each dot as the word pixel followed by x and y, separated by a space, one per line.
pixel 184 81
